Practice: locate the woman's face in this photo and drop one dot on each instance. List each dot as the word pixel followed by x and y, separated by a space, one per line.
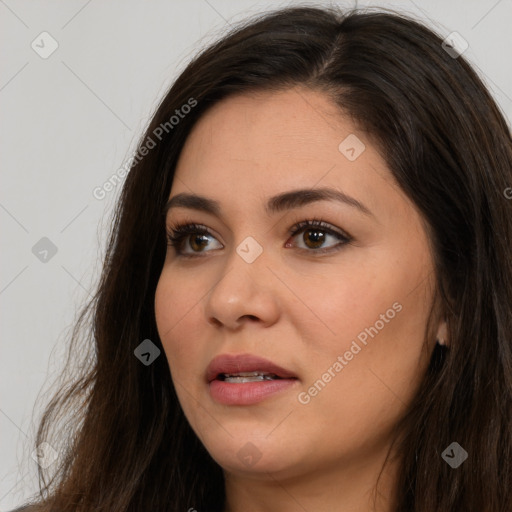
pixel 343 320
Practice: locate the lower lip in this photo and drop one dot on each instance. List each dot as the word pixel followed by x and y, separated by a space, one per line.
pixel 247 393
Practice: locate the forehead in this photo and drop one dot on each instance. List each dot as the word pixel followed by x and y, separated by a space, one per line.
pixel 260 144
pixel 294 131
pixel 256 127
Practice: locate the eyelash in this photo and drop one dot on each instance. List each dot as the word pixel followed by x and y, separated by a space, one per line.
pixel 178 233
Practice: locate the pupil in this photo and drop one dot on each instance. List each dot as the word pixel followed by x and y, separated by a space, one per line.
pixel 317 236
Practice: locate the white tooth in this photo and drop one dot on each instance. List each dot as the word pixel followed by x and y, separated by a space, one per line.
pixel 243 379
pixel 246 374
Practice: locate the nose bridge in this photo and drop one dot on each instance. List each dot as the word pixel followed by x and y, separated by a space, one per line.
pixel 246 287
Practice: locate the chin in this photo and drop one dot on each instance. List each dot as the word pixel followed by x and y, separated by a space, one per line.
pixel 248 454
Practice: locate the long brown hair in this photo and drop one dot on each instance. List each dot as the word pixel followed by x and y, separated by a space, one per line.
pixel 125 444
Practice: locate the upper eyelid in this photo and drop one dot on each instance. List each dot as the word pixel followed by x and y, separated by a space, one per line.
pixel 172 227
pixel 318 223
pixel 298 225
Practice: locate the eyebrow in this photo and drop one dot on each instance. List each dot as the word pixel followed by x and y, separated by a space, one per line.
pixel 276 204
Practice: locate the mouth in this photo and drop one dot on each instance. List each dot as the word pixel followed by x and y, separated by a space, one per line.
pixel 246 379
pixel 243 377
pixel 245 366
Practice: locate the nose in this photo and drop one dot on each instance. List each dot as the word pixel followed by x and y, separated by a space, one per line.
pixel 245 292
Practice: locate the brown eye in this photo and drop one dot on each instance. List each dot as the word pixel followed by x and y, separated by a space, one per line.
pixel 198 242
pixel 313 238
pixel 315 234
pixel 189 240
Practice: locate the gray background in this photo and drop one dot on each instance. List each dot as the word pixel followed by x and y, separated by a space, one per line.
pixel 71 120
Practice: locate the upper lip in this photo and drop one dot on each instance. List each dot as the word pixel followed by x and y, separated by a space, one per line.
pixel 231 363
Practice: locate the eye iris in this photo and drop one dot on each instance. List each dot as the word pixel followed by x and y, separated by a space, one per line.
pixel 200 245
pixel 318 237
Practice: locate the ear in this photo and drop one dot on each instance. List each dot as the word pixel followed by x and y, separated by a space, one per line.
pixel 442 334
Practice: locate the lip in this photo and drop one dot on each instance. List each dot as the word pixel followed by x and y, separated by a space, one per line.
pixel 247 393
pixel 230 363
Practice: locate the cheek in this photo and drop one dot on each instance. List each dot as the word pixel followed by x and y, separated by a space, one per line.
pixel 377 327
pixel 358 401
pixel 342 312
pixel 178 307
pixel 174 309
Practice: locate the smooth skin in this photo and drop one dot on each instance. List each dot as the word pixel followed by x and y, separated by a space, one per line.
pixel 295 306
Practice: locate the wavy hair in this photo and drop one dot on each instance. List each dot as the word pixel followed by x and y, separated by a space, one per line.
pixel 126 444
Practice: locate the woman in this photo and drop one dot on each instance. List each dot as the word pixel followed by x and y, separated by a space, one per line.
pixel 306 301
